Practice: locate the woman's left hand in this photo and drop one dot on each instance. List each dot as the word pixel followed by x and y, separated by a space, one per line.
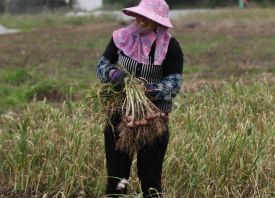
pixel 150 91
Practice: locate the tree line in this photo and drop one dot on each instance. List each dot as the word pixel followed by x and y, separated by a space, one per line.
pixel 192 3
pixel 29 6
pixel 25 6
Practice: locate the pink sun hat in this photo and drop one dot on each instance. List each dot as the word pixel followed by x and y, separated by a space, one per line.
pixel 156 10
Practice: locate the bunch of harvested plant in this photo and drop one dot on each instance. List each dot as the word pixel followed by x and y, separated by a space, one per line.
pixel 107 98
pixel 142 122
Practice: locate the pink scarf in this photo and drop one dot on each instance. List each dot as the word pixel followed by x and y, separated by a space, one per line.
pixel 138 46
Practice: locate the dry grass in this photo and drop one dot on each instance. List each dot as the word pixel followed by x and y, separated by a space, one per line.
pixel 222 128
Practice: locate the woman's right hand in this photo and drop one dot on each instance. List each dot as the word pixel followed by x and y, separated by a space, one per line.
pixel 117 79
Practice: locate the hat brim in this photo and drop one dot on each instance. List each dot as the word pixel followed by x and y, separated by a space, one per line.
pixel 133 11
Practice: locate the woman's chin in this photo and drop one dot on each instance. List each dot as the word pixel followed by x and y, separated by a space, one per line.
pixel 143 31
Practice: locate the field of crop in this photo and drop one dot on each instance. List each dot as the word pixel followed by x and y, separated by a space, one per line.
pixel 222 129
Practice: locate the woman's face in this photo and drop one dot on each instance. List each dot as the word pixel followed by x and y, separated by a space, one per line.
pixel 145 25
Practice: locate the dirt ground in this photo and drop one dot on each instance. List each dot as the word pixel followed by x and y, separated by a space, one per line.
pixel 243 31
pixel 43 45
pixel 66 46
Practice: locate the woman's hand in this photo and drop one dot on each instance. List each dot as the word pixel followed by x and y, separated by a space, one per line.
pixel 117 79
pixel 150 90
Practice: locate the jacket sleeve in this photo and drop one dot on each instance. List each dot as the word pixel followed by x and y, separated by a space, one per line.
pixel 107 62
pixel 170 85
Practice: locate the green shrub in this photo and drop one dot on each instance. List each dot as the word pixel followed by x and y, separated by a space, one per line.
pixel 15 77
pixel 11 97
pixel 50 90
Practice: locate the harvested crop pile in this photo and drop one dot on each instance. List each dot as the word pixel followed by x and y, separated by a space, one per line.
pixel 142 122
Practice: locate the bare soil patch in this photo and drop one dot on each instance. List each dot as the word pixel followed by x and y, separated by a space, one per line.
pixel 44 45
pixel 229 26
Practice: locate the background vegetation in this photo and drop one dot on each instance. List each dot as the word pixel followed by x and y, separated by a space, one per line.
pixel 193 3
pixel 222 127
pixel 35 6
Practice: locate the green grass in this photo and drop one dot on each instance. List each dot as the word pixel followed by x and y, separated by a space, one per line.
pixel 98 44
pixel 195 69
pixel 244 15
pixel 30 22
pixel 202 44
pixel 20 86
pixel 11 98
pixel 15 76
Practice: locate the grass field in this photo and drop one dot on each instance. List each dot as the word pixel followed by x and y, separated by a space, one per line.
pixel 222 140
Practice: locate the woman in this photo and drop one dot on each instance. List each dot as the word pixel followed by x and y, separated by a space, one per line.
pixel 147 50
